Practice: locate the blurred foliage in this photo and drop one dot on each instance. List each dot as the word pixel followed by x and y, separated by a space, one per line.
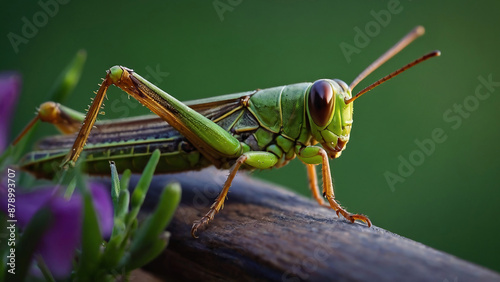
pixel 45 212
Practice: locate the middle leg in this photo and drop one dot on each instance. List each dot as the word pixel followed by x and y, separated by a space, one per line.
pixel 259 160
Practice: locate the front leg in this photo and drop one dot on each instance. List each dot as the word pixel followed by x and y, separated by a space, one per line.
pixel 313 155
pixel 313 185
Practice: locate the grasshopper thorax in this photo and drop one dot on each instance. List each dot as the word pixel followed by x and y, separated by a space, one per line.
pixel 329 117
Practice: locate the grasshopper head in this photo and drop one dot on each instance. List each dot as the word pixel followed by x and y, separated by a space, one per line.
pixel 330 118
pixel 329 102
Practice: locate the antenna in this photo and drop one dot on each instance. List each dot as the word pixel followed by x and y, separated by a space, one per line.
pixel 400 45
pixel 409 38
pixel 393 74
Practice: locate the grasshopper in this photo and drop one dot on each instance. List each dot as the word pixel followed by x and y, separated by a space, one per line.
pixel 258 129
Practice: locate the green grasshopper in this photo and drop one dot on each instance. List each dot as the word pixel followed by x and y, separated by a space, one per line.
pixel 259 129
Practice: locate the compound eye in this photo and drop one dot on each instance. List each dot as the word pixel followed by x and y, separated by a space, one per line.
pixel 321 102
pixel 342 84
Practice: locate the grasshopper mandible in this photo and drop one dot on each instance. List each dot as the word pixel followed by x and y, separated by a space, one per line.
pixel 259 129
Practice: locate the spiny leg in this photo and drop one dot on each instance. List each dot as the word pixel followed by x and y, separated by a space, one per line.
pixel 330 196
pixel 259 160
pixel 211 140
pixel 88 122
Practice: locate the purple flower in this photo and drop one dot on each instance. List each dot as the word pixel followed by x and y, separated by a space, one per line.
pixel 103 206
pixel 60 240
pixel 10 86
pixel 58 244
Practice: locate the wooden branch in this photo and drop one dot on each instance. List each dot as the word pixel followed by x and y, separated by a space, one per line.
pixel 267 233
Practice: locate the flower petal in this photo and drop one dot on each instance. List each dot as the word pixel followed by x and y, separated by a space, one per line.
pixel 27 203
pixel 101 199
pixel 57 246
pixel 60 241
pixel 10 86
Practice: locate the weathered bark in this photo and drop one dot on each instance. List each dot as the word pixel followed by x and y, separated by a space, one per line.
pixel 267 233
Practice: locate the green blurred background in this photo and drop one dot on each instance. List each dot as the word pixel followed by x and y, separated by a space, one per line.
pixel 210 48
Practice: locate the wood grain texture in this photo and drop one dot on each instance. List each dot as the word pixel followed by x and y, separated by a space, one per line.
pixel 268 233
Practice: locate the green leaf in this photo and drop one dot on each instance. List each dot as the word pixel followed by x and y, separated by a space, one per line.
pixel 142 186
pixel 138 259
pixel 44 269
pixel 145 242
pixel 29 241
pixel 123 205
pixel 70 189
pixel 12 154
pixel 156 223
pixel 69 78
pixel 125 180
pixel 91 239
pixel 114 251
pixel 115 187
